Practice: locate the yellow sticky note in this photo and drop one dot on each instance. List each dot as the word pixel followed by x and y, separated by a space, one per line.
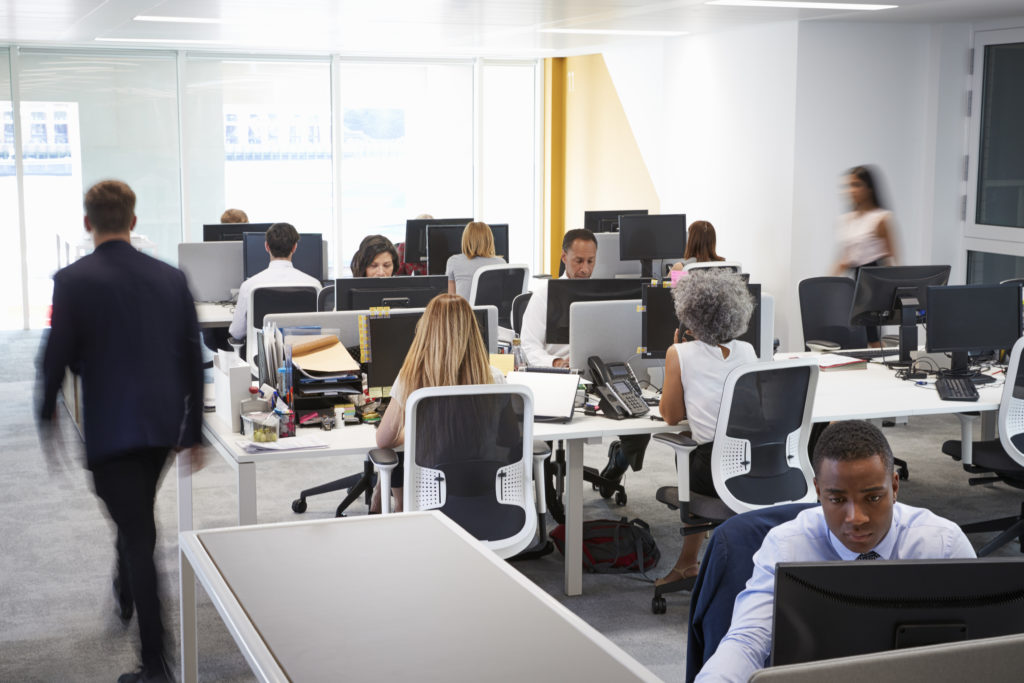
pixel 504 362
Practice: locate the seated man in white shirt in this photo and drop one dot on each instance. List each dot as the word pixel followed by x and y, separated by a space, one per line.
pixel 282 239
pixel 579 252
pixel 859 519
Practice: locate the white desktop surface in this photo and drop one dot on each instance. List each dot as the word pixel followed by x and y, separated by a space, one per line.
pixel 340 599
pixel 214 315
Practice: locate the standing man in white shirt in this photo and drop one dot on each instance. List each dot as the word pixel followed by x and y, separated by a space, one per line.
pixel 579 252
pixel 281 241
pixel 859 519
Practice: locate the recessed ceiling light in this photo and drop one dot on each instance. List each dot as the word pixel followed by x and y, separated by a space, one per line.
pixel 801 5
pixel 173 41
pixel 611 32
pixel 179 20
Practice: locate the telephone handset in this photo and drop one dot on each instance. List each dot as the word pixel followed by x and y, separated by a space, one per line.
pixel 618 388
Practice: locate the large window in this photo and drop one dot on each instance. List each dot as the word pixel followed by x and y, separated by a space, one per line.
pixel 1000 193
pixel 258 138
pixel 85 118
pixel 407 146
pixel 11 314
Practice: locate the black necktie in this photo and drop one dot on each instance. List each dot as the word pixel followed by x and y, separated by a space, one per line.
pixel 869 556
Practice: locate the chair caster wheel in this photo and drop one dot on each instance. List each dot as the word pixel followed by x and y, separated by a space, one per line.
pixel 298 506
pixel 659 605
pixel 606 491
pixel 620 498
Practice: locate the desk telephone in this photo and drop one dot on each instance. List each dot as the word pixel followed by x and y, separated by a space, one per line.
pixel 618 388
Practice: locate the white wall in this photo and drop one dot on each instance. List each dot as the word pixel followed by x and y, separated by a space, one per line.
pixel 761 122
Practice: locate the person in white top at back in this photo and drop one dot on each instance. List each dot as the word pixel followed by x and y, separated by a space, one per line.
pixel 281 242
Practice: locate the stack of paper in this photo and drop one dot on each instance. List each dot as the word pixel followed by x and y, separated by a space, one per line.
pixel 834 361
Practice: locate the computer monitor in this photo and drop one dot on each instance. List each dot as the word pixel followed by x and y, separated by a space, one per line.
pixel 607 221
pixel 401 291
pixel 445 241
pixel 416 235
pixel 231 232
pixel 389 341
pixel 659 321
pixel 308 256
pixel 837 609
pixel 645 238
pixel 882 294
pixel 563 293
pixel 972 319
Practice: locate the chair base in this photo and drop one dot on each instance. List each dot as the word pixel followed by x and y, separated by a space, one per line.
pixel 554 484
pixel 355 484
pixel 1011 527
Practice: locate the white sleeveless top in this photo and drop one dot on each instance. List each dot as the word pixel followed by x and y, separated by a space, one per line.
pixel 858 237
pixel 703 371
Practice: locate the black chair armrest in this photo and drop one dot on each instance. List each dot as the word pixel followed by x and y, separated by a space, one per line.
pixel 681 440
pixel 383 457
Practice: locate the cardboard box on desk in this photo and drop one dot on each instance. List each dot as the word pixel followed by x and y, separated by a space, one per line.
pixel 231 379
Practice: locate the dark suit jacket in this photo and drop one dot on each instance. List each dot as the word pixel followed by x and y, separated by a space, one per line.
pixel 126 323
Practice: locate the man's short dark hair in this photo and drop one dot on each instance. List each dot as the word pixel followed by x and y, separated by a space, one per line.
pixel 577 234
pixel 281 239
pixel 852 440
pixel 110 207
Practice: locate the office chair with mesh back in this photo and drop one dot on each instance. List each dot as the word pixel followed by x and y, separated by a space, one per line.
pixel 325 299
pixel 1002 458
pixel 275 299
pixel 469 453
pixel 759 457
pixel 825 313
pixel 518 310
pixel 499 285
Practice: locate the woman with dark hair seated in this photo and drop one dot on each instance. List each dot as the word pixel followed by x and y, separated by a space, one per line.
pixel 377 257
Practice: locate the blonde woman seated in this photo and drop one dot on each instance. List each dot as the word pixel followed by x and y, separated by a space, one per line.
pixel 700 245
pixel 477 252
pixel 447 350
pixel 714 307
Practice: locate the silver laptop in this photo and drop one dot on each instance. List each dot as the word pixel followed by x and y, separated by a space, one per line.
pixel 212 269
pixel 554 393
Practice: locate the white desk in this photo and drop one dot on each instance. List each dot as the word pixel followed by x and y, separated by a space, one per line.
pixel 340 600
pixel 214 315
pixel 359 439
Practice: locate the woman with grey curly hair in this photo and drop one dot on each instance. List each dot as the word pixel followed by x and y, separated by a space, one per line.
pixel 713 307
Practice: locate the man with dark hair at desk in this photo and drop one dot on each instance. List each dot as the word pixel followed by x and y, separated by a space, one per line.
pixel 858 519
pixel 125 322
pixel 579 252
pixel 282 240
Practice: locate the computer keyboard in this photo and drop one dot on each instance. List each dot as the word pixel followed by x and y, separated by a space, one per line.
pixel 956 389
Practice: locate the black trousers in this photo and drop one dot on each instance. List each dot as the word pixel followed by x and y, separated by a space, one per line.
pixel 127 485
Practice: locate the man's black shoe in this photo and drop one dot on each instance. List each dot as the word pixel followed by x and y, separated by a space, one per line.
pixel 612 471
pixel 158 674
pixel 124 607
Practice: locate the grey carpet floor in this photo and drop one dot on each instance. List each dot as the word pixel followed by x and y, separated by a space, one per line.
pixel 56 544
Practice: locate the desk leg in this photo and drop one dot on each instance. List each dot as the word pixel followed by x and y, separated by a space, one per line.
pixel 574 518
pixel 246 493
pixel 189 643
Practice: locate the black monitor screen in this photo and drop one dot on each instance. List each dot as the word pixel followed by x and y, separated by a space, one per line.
pixel 308 256
pixel 563 293
pixel 390 339
pixel 231 232
pixel 401 291
pixel 659 321
pixel 661 236
pixel 607 221
pixel 445 241
pixel 973 318
pixel 416 235
pixel 838 609
pixel 876 295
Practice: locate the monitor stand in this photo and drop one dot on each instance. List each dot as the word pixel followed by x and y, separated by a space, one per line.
pixel 960 366
pixel 908 329
pixel 647 268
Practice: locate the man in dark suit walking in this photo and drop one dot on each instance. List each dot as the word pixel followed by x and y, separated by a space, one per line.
pixel 125 322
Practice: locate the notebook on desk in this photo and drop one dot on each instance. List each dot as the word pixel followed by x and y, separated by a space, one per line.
pixel 554 394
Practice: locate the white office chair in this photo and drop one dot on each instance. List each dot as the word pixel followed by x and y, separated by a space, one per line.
pixel 469 452
pixel 499 285
pixel 732 265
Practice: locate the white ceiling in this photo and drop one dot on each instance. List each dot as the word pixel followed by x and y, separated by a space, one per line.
pixel 420 27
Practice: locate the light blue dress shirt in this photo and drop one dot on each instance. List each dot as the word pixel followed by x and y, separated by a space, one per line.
pixel 915 534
